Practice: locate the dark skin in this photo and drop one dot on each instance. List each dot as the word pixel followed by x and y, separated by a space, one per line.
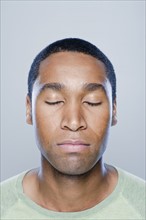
pixel 71 111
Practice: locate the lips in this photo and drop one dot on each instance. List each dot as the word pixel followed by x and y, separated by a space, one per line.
pixel 73 145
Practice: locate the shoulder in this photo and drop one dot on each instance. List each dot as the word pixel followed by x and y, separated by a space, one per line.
pixel 131 181
pixel 9 185
pixel 9 191
pixel 133 190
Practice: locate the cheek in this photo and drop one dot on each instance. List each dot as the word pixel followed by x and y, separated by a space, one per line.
pixel 45 117
pixel 101 121
pixel 45 124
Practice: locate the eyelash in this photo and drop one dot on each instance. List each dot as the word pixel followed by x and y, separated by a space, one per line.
pixel 93 104
pixel 53 103
pixel 58 102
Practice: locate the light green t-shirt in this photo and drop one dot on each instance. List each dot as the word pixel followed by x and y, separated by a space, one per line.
pixel 127 201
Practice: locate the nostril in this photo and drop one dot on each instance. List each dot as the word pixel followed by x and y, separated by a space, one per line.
pixel 73 119
pixel 74 129
pixel 74 126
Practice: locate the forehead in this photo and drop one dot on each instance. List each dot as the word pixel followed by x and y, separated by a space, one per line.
pixel 71 67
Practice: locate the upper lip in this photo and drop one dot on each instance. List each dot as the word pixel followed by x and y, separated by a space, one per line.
pixel 73 142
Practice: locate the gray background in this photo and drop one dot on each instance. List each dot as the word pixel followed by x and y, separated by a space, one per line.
pixel 117 28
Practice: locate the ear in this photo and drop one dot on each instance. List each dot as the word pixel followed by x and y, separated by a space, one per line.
pixel 114 113
pixel 28 110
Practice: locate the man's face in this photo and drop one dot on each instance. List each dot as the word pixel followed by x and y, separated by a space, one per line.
pixel 71 111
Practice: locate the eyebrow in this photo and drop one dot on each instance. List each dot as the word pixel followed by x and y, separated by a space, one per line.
pixel 93 87
pixel 59 86
pixel 52 86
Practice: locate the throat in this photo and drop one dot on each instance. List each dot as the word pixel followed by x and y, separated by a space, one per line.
pixel 64 193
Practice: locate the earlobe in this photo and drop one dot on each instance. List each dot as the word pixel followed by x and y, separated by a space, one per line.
pixel 114 120
pixel 114 114
pixel 28 110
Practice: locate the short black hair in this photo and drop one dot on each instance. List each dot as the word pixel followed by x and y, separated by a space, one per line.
pixel 73 45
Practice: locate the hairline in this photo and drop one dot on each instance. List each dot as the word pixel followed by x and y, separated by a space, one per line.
pixel 58 47
pixel 69 51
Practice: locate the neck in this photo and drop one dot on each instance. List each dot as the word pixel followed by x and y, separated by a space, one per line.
pixel 66 193
pixel 49 176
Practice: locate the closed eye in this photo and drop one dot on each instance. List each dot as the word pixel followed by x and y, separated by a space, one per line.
pixel 53 103
pixel 93 103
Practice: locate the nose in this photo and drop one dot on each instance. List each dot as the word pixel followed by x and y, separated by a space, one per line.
pixel 73 119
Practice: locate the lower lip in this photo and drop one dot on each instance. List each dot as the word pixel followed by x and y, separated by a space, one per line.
pixel 73 148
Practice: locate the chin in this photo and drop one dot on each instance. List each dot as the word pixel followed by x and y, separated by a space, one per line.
pixel 74 165
pixel 75 169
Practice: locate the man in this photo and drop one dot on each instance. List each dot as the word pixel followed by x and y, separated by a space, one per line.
pixel 71 103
